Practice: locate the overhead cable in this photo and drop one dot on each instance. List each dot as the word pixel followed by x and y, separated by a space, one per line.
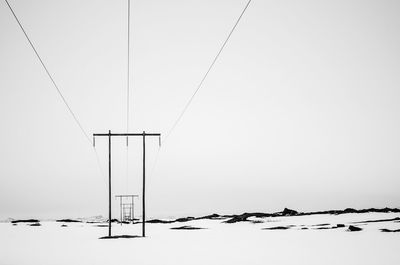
pixel 48 74
pixel 208 71
pixel 55 85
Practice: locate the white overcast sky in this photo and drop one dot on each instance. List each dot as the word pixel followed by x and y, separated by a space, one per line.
pixel 301 110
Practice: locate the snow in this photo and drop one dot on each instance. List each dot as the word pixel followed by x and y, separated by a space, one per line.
pixel 220 243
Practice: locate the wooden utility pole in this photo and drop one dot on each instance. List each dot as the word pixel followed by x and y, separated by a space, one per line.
pixel 144 187
pixel 144 135
pixel 109 183
pixel 130 206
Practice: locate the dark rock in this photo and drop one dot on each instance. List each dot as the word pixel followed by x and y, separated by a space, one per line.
pixel 243 217
pixel 379 220
pixel 238 218
pixel 388 210
pixel 186 227
pixel 114 221
pixel 324 228
pixel 329 227
pixel 158 221
pixel 64 225
pixel 25 221
pixel 120 236
pixel 289 212
pixel 68 221
pixel 278 227
pixel 185 219
pixel 390 230
pixel 212 217
pixel 354 228
pixel 321 224
pixel 35 224
pixel 304 228
pixel 350 210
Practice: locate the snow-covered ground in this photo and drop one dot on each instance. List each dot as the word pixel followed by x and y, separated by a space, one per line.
pixel 220 243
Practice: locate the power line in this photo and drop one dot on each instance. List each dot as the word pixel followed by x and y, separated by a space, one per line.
pixel 48 73
pixel 128 70
pixel 207 72
pixel 127 96
pixel 55 85
pixel 199 86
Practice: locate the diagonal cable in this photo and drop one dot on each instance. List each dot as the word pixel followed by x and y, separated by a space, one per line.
pixel 48 73
pixel 127 95
pixel 55 85
pixel 128 70
pixel 207 72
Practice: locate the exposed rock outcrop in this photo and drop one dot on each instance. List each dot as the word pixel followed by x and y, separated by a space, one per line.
pixel 186 227
pixel 354 228
pixel 25 221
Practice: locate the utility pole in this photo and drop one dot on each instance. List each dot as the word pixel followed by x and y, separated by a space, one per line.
pixel 109 183
pixel 130 206
pixel 144 135
pixel 144 187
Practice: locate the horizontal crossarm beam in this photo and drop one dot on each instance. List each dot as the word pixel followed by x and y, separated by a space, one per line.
pixel 127 134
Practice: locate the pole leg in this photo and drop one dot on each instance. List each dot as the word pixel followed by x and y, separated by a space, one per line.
pixel 120 209
pixel 144 187
pixel 109 183
pixel 132 210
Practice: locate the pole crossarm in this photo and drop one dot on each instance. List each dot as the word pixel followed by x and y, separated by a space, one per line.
pixel 127 134
pixel 126 196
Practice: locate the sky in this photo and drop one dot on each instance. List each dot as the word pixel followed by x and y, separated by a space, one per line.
pixel 301 110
